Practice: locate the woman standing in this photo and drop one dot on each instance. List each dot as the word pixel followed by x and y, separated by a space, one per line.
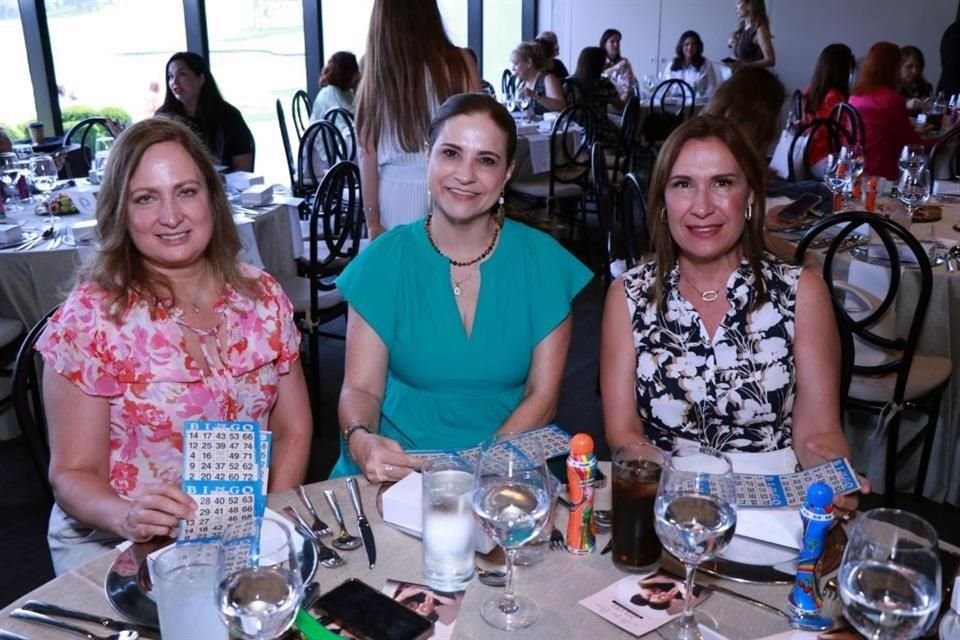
pixel 404 81
pixel 690 66
pixel 430 362
pixel 617 68
pixel 542 87
pixel 752 43
pixel 192 95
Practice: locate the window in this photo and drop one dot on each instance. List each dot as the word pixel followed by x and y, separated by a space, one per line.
pixel 106 62
pixel 345 26
pixel 256 56
pixel 17 108
pixel 502 24
pixel 454 13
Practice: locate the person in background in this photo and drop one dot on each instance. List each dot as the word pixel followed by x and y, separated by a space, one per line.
pixel 405 80
pixel 617 68
pixel 541 87
pixel 193 96
pixel 551 49
pixel 427 364
pixel 913 86
pixel 883 110
pixel 163 326
pixel 690 66
pixel 338 80
pixel 599 92
pixel 714 340
pixel 6 144
pixel 752 43
pixel 949 83
pixel 829 86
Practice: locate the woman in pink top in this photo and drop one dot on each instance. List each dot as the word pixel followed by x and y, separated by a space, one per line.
pixel 883 110
pixel 164 326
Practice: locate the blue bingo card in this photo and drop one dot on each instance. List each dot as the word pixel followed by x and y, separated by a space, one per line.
pixel 225 467
pixel 790 489
pixel 552 439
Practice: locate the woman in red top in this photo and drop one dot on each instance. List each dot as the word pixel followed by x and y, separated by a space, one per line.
pixel 829 86
pixel 883 110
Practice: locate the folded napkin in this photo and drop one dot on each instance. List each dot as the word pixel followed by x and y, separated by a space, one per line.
pixel 946 187
pixel 10 232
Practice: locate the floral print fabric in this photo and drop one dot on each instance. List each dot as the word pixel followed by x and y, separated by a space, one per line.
pixel 142 367
pixel 734 392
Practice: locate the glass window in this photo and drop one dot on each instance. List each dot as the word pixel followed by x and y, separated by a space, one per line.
pixel 256 56
pixel 106 63
pixel 17 107
pixel 502 24
pixel 345 26
pixel 454 13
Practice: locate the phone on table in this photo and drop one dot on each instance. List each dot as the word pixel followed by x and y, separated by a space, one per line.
pixel 368 614
pixel 799 207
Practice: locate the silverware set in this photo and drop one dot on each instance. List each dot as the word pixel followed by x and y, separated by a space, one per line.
pixel 42 613
pixel 325 555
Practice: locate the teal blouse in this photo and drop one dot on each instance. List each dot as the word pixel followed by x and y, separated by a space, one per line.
pixel 443 389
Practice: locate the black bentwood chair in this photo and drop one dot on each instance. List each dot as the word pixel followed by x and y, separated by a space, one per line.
pixel 287 150
pixel 944 163
pixel 798 158
pixel 850 119
pixel 85 134
pixel 321 147
pixel 343 120
pixel 887 373
pixel 300 110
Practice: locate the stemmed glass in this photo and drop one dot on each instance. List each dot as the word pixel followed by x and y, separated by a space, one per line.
pixel 512 502
pixel 260 583
pixel 9 174
pixel 890 575
pixel 44 171
pixel 524 102
pixel 837 175
pixel 913 189
pixel 696 515
pixel 853 154
pixel 913 157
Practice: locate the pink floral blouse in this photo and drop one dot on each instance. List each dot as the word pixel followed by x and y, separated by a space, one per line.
pixel 153 384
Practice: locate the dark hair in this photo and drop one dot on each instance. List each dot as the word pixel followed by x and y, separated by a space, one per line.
pixel 609 33
pixel 209 104
pixel 754 168
pixel 118 268
pixel 832 71
pixel 590 66
pixel 680 61
pixel 341 70
pixel 466 104
pixel 752 97
pixel 910 51
pixel 881 68
pixel 419 598
pixel 548 40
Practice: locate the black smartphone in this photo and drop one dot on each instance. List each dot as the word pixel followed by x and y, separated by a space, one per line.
pixel 368 614
pixel 799 207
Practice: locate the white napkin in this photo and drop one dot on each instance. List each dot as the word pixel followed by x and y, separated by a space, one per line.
pixel 10 232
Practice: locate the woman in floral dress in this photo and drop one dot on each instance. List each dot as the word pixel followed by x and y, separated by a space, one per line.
pixel 714 340
pixel 164 326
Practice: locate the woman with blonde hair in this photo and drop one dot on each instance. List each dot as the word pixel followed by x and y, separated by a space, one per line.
pixel 405 79
pixel 542 87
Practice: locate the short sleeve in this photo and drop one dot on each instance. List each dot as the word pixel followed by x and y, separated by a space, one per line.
pixel 237 140
pixel 556 278
pixel 289 333
pixel 72 340
pixel 369 283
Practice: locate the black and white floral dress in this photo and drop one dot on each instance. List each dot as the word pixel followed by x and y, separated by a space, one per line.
pixel 734 392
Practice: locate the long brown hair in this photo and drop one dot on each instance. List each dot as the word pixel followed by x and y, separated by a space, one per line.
pixel 754 169
pixel 752 97
pixel 881 68
pixel 834 66
pixel 118 267
pixel 758 15
pixel 408 54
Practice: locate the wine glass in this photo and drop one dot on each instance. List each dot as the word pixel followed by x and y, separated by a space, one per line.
pixel 260 584
pixel 44 172
pixel 913 189
pixel 837 176
pixel 890 575
pixel 512 502
pixel 524 102
pixel 9 174
pixel 853 154
pixel 913 157
pixel 696 515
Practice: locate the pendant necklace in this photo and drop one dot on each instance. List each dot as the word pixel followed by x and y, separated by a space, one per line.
pixel 457 288
pixel 707 296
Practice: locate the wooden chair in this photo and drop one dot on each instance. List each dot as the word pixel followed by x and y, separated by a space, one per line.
pixel 301 111
pixel 84 133
pixel 894 376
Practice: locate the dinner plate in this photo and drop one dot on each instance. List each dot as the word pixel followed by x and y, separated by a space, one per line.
pixel 127 584
pixel 879 256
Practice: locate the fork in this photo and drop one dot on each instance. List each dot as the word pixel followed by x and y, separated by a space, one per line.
pixel 319 526
pixel 325 555
pixel 557 541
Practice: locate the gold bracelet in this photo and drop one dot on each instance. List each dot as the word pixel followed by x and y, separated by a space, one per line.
pixel 354 426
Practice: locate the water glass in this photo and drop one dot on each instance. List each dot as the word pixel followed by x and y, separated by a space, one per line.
pixel 696 516
pixel 913 189
pixel 536 550
pixel 9 174
pixel 913 157
pixel 637 467
pixel 890 582
pixel 837 176
pixel 449 542
pixel 185 587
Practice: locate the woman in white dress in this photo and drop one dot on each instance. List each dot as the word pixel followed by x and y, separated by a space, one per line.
pixel 404 81
pixel 690 65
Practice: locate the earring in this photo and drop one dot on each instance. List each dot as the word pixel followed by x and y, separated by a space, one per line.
pixel 663 214
pixel 501 213
pixel 429 202
pixel 748 214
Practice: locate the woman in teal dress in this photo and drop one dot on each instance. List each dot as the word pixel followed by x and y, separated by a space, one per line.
pixel 459 324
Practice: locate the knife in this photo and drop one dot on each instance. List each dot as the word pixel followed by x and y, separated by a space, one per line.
pixel 150 631
pixel 10 635
pixel 365 531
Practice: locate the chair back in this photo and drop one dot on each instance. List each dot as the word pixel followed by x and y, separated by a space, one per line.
pixel 488 88
pixel 798 106
pixel 798 155
pixel 509 83
pixel 850 119
pixel 573 91
pixel 627 139
pixel 287 150
pixel 28 401
pixel 336 219
pixel 301 111
pixel 944 163
pixel 321 147
pixel 671 103
pixel 600 181
pixel 84 133
pixel 343 120
pixel 633 218
pixel 570 163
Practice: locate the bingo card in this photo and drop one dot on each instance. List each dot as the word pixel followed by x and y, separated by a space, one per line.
pixel 790 489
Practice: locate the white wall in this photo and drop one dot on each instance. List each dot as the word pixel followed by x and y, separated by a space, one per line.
pixel 800 28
